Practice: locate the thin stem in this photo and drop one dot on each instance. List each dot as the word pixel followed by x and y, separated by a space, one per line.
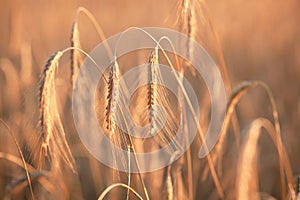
pixel 129 172
pixel 96 25
pixel 22 157
pixel 108 189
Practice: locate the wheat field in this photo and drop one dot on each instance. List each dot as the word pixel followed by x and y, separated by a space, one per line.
pixel 256 47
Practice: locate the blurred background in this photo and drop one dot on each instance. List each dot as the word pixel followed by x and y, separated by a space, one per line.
pixel 260 41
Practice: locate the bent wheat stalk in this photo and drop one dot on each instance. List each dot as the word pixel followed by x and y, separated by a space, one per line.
pixel 76 59
pixel 241 90
pixel 247 177
pixel 224 72
pixel 199 128
pixel 188 23
pixel 21 155
pixel 183 118
pixel 54 144
pixel 245 173
pixel 108 189
pixel 53 135
pixel 189 104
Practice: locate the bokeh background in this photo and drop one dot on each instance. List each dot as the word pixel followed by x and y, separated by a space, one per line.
pixel 260 41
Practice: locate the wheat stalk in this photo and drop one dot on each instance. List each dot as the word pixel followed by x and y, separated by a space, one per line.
pixel 240 91
pixel 54 145
pixel 247 178
pixel 183 121
pixel 284 163
pixel 223 69
pixel 76 58
pixel 169 182
pixel 108 189
pixel 199 128
pixel 246 186
pixel 98 28
pixel 188 24
pixel 21 155
pixel 298 187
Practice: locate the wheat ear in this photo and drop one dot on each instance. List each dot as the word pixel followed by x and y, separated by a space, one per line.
pixel 157 95
pixel 112 103
pixel 188 24
pixel 199 128
pixel 54 145
pixel 152 93
pixel 112 96
pixel 76 58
